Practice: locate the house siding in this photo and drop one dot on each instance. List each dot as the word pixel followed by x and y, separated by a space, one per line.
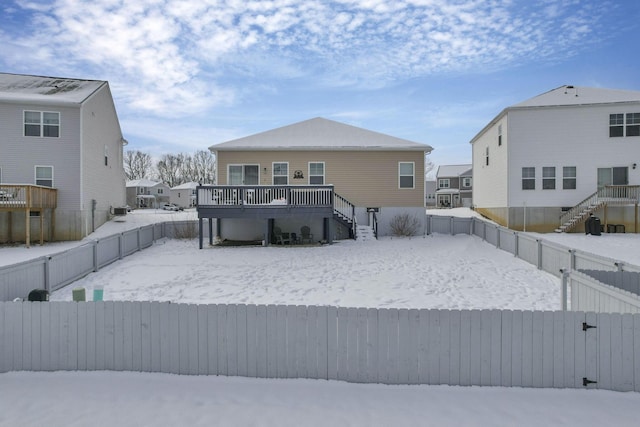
pixel 490 183
pixel 555 136
pixel 366 179
pixel 105 184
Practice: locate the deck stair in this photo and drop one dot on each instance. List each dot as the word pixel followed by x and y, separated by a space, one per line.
pixel 606 196
pixel 365 233
pixel 345 213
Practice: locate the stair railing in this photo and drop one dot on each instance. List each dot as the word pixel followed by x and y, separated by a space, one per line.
pixel 579 208
pixel 609 194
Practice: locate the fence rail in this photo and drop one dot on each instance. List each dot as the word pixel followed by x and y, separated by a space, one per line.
pixel 56 271
pixel 364 345
pixel 589 291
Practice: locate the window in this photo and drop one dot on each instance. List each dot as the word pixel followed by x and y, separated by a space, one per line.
pixel 613 176
pixel 499 135
pixel 41 123
pixel 633 124
pixel 243 175
pixel 486 156
pixel 549 178
pixel 569 178
pixel 528 178
pixel 619 127
pixel 466 182
pixel 405 172
pixel 44 176
pixel 444 183
pixel 280 173
pixel 159 191
pixel 316 173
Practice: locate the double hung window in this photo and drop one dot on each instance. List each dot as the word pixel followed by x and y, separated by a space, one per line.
pixel 42 124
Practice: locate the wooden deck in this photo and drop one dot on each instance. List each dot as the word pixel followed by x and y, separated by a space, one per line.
pixel 29 198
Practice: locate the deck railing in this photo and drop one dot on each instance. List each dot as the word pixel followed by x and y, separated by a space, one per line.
pixel 25 196
pixel 261 195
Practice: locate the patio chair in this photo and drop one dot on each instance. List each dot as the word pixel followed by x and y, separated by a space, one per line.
pixel 280 237
pixel 305 234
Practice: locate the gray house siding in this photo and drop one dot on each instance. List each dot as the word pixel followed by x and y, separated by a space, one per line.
pixel 77 158
pixel 102 138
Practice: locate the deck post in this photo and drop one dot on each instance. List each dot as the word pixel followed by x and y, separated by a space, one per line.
pixel 210 231
pixel 200 237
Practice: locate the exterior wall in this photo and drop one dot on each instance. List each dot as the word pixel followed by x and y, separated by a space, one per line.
pixel 490 184
pixel 386 215
pixel 184 197
pixel 101 135
pixel 20 155
pixel 365 178
pixel 564 136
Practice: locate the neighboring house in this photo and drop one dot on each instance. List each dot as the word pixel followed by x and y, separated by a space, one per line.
pixel 184 195
pixel 549 162
pixel 147 194
pixel 430 191
pixel 317 173
pixel 61 172
pixel 454 186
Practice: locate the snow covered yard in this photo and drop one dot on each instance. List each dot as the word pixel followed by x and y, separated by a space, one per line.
pixel 449 272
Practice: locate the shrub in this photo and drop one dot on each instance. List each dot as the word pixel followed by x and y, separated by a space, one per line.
pixel 185 230
pixel 404 225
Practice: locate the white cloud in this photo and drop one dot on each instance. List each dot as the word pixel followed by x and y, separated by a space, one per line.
pixel 169 57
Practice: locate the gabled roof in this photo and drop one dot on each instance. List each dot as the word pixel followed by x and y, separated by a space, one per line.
pixel 569 95
pixel 579 95
pixel 453 170
pixel 51 90
pixel 186 186
pixel 319 134
pixel 144 182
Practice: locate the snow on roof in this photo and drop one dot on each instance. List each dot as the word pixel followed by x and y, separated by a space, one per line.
pixel 39 89
pixel 320 134
pixel 186 186
pixel 453 170
pixel 142 183
pixel 580 95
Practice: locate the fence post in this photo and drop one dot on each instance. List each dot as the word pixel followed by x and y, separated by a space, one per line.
pixel 497 237
pixel 565 282
pixel 539 241
pixel 138 238
pixel 47 273
pixel 95 255
pixel 451 230
pixel 516 249
pixel 120 245
pixel 572 260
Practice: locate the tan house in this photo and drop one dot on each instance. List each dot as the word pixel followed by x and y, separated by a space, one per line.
pixel 325 175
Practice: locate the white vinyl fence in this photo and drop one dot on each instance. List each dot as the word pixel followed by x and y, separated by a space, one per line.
pixel 604 289
pixel 390 346
pixel 56 271
pixel 601 291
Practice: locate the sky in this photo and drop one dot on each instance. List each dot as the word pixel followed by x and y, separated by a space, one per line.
pixel 187 74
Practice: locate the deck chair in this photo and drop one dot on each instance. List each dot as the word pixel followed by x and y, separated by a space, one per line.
pixel 280 237
pixel 305 234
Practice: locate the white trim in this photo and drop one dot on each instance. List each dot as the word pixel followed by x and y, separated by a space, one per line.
pixel 35 174
pixel 243 165
pixel 324 173
pixel 273 175
pixel 24 123
pixel 413 176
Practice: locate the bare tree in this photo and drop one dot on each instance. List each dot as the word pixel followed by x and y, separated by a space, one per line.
pixel 137 165
pixel 204 167
pixel 168 168
pixel 429 167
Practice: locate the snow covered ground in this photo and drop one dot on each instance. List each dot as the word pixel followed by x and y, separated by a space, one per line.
pixel 423 272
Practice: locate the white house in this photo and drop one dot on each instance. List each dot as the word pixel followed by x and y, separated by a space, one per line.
pixel 454 186
pixel 146 194
pixel 548 162
pixel 61 170
pixel 184 195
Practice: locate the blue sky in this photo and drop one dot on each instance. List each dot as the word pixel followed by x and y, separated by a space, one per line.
pixel 186 74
